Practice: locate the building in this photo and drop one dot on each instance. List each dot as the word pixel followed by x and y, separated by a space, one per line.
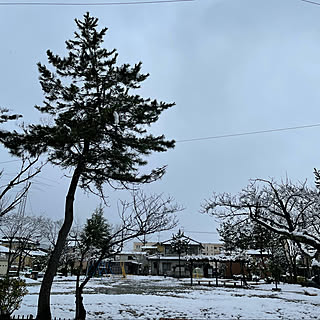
pixel 20 253
pixel 167 261
pixel 130 262
pixel 164 260
pixel 4 255
pixel 140 246
pixel 210 249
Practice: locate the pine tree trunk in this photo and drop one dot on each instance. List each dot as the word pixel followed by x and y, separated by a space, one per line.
pixel 44 312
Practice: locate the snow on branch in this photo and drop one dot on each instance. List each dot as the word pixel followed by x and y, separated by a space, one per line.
pixel 288 209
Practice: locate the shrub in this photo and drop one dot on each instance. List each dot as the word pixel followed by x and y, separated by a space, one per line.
pixel 12 291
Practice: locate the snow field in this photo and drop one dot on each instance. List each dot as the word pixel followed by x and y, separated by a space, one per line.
pixel 156 297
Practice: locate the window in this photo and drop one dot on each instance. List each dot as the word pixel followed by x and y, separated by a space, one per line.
pixel 166 267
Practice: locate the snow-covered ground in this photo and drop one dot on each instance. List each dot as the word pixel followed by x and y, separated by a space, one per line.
pixel 147 297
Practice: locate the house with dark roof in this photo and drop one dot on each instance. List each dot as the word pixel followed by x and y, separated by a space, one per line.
pixel 170 260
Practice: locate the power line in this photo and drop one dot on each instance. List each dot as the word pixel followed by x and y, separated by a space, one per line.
pixel 89 4
pixel 9 161
pixel 249 133
pixel 317 3
pixel 190 231
pixel 207 232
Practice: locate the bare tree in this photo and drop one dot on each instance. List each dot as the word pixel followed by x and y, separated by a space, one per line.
pixel 51 230
pixel 21 183
pixel 291 210
pixel 22 234
pixel 144 215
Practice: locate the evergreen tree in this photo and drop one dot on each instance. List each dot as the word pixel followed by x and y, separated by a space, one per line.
pixel 5 116
pixel 98 129
pixel 96 232
pixel 143 216
pixel 94 239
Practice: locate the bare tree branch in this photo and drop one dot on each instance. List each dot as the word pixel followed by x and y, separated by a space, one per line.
pixel 291 210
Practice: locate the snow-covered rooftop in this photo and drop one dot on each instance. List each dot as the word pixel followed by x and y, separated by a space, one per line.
pixel 219 257
pixel 36 253
pixel 256 252
pixel 149 247
pixel 132 253
pixel 4 249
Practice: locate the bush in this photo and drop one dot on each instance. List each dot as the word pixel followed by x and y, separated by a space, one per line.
pixel 11 293
pixel 301 280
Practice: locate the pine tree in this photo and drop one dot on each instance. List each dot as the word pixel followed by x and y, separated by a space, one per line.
pixel 5 116
pixel 96 232
pixel 94 239
pixel 98 129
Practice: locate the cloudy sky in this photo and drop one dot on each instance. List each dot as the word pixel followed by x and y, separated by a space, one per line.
pixel 230 66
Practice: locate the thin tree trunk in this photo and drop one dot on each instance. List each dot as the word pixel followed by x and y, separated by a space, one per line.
pixel 243 275
pixel 295 271
pixel 44 312
pixel 9 257
pixel 216 268
pixel 19 264
pixel 179 266
pixel 264 267
pixel 80 311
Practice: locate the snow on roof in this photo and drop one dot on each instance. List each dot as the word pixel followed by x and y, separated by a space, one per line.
pixel 167 257
pixel 219 257
pixel 149 247
pixel 4 249
pixel 36 253
pixel 256 252
pixel 131 253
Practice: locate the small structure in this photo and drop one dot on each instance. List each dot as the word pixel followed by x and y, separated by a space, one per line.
pixel 239 258
pixel 124 262
pixel 4 256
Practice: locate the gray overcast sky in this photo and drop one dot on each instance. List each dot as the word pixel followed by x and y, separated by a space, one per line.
pixel 231 66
